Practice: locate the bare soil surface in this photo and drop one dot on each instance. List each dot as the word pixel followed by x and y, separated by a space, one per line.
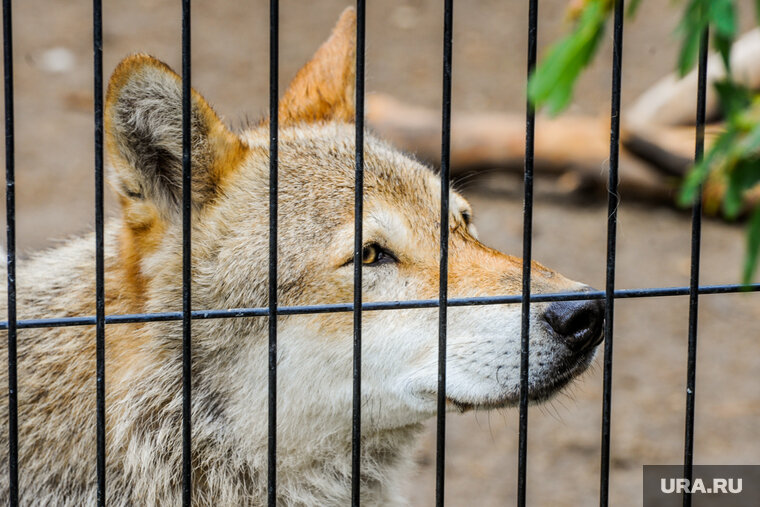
pixel 54 160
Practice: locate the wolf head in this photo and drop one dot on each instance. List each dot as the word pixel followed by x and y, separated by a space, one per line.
pixel 230 220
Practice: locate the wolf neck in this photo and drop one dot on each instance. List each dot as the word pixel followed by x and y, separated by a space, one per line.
pixel 386 462
pixel 313 465
pixel 314 454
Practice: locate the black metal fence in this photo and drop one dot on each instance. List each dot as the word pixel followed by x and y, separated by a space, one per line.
pixel 610 294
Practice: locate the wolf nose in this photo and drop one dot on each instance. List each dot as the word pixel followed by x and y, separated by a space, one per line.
pixel 577 323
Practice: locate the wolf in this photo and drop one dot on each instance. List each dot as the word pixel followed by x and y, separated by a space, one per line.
pixel 230 217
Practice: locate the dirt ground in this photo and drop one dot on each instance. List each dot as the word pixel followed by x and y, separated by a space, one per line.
pixel 54 161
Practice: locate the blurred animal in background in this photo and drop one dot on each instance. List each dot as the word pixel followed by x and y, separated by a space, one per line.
pixel 657 136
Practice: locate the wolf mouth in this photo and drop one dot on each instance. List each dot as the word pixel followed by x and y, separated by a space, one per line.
pixel 540 391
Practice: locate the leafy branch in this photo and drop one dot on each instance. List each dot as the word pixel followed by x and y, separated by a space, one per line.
pixel 733 160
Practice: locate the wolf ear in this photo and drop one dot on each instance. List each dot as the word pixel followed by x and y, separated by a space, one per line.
pixel 143 127
pixel 323 90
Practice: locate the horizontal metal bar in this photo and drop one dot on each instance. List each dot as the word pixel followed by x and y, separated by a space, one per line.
pixel 379 305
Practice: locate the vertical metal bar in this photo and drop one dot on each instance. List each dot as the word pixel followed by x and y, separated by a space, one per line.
pixel 10 213
pixel 274 24
pixel 612 211
pixel 444 257
pixel 696 238
pixel 100 320
pixel 187 485
pixel 358 247
pixel 530 128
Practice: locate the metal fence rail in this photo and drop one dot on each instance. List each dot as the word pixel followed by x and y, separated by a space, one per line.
pixel 356 423
pixel 696 241
pixel 612 211
pixel 530 133
pixel 274 66
pixel 187 179
pixel 100 291
pixel 10 209
pixel 187 315
pixel 443 279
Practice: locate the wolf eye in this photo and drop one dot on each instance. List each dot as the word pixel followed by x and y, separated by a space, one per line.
pixel 373 254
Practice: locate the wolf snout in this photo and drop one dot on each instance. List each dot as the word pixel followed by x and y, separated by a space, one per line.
pixel 578 324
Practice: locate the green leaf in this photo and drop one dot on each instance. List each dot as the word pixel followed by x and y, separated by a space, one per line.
pixel 747 147
pixel 699 14
pixel 744 176
pixel 691 26
pixel 694 179
pixel 554 79
pixel 723 45
pixel 733 97
pixel 692 184
pixel 689 49
pixel 722 16
pixel 634 5
pixel 753 247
